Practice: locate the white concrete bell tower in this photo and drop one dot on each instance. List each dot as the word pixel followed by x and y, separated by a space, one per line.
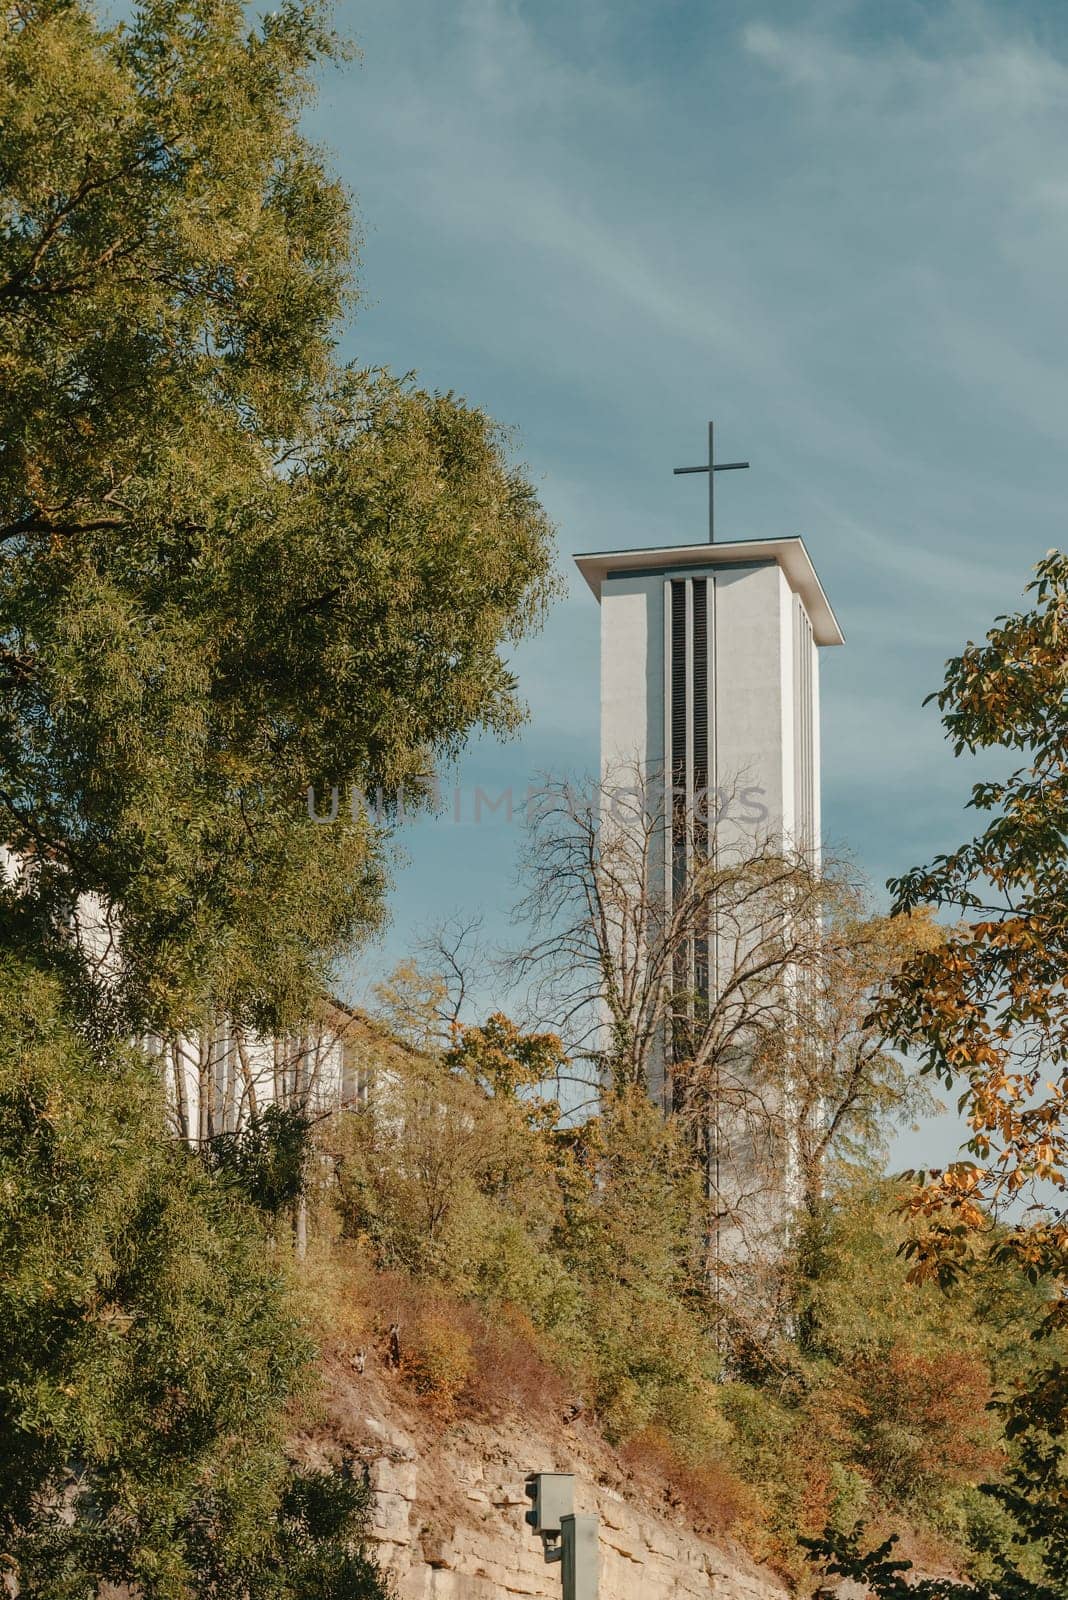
pixel 710 671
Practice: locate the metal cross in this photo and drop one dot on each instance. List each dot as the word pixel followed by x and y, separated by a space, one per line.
pixel 712 468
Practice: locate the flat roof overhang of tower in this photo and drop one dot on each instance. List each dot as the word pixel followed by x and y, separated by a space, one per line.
pixel 790 554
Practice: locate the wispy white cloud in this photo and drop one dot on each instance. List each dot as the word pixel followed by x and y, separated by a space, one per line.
pixel 968 61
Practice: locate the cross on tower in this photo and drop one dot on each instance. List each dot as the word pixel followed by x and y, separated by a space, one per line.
pixel 712 468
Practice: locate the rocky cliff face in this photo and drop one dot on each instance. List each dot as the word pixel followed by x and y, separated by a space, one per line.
pixel 449 1507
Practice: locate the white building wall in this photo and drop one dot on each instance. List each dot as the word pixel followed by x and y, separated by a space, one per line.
pixel 218 1077
pixel 632 673
pixel 766 617
pixel 790 693
pixel 752 690
pixel 749 694
pixel 817 758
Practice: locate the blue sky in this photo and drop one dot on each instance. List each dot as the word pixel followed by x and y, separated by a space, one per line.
pixel 839 229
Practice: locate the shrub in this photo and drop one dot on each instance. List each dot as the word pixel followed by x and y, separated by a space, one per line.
pixel 265 1160
pixel 437 1356
pixel 917 1421
pixel 714 1496
pixel 447 1183
pixel 528 1264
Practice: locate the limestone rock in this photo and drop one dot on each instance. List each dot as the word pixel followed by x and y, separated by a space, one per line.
pixel 391 1521
pixel 449 1525
pixel 394 1477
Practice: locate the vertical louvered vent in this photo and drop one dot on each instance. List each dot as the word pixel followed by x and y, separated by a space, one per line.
pixel 700 685
pixel 701 798
pixel 689 716
pixel 678 687
pixel 677 803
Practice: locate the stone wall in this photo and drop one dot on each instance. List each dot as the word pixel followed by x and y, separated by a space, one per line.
pixel 449 1519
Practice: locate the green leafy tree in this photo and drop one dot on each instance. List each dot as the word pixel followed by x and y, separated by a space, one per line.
pixel 986 1009
pixel 410 1001
pixel 504 1060
pixel 149 1353
pixel 885 1576
pixel 231 567
pixel 234 574
pixel 266 1158
pixel 449 1183
pixel 989 1012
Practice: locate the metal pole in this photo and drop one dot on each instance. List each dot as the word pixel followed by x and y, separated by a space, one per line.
pixel 578 1573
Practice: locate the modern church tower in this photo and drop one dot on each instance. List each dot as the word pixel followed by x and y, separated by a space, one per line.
pixel 710 686
pixel 710 670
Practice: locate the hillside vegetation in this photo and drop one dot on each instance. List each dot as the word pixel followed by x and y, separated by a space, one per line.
pixel 529 1264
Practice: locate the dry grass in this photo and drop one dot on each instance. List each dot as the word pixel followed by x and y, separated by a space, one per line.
pixel 458 1358
pixel 463 1359
pixel 712 1496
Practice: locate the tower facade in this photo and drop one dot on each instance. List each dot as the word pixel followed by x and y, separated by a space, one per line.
pixel 710 674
